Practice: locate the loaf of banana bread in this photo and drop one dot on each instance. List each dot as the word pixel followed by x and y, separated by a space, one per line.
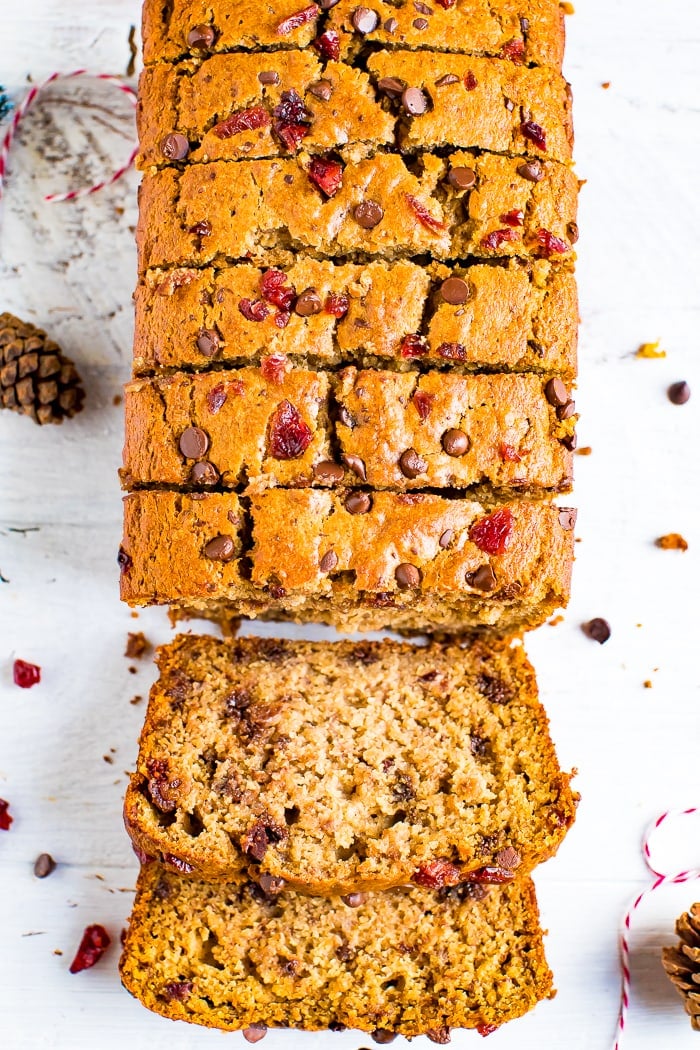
pixel 493 317
pixel 233 106
pixel 466 204
pixel 409 961
pixel 358 560
pixel 347 766
pixel 394 430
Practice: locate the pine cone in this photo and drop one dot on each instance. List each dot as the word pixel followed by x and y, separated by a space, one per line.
pixel 682 963
pixel 35 378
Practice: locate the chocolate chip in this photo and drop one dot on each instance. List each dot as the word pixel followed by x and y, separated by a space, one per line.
pixel 422 8
pixel 326 5
pixel 194 442
pixel 679 393
pixel 383 1036
pixel 356 465
pixel 204 473
pixel 329 471
pixel 508 858
pixel 44 865
pixel 570 442
pixel 510 105
pixel 391 86
pixel 420 23
pixel 358 503
pixel 221 548
pixel 531 170
pixel 484 579
pixel 322 89
pixel 254 1033
pixel 308 303
pixel 572 230
pixel 567 518
pixel 391 25
pixel 414 101
pixel 598 629
pixel 208 342
pixel 439 1035
pixel 271 885
pixel 328 562
pixel 354 900
pixel 124 560
pixel 455 442
pixel 408 576
pixel 368 214
pixel 271 77
pixel 449 78
pixel 454 291
pixel 556 392
pixel 174 146
pixel 412 464
pixel 524 25
pixel 566 411
pixel 201 37
pixel 462 178
pixel 364 20
pixel 446 538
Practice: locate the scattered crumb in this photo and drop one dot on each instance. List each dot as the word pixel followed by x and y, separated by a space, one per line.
pixel 648 684
pixel 136 699
pixel 605 85
pixel 108 758
pixel 57 951
pixel 585 450
pixel 117 399
pixel 134 615
pixel 133 670
pixel 34 933
pixel 578 539
pixel 650 350
pixel 133 52
pixel 136 645
pixel 555 621
pixel 639 625
pixel 672 542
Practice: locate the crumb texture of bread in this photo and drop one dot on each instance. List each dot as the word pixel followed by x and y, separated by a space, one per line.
pixel 346 767
pixel 407 961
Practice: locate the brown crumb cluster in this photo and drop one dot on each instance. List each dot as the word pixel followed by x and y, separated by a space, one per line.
pixel 673 541
pixel 136 645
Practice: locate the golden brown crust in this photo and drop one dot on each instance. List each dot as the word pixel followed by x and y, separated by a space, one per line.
pixel 510 434
pixel 518 317
pixel 253 209
pixel 166 533
pixel 483 106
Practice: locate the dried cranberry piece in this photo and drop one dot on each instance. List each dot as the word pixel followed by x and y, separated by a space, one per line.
pixel 492 874
pixel 337 304
pixel 492 534
pixel 245 120
pixel 437 873
pixel 282 318
pixel 414 346
pixel 5 818
pixel 423 403
pixel 470 81
pixel 516 217
pixel 253 310
pixel 452 351
pixel 300 18
pixel 551 245
pixel 496 238
pixel 25 675
pixel 94 944
pixel 274 367
pixel 216 398
pixel 179 991
pixel 292 119
pixel 534 133
pixel 326 174
pixel 292 134
pixel 290 436
pixel 447 4
pixel 423 215
pixel 143 857
pixel 178 863
pixel 328 45
pixel 275 289
pixel 514 50
pixel 486 1029
pixel 510 454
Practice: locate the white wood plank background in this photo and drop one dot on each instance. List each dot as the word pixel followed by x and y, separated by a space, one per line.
pixel 70 268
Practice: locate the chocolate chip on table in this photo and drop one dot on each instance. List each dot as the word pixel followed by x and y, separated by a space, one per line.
pixel 483 579
pixel 391 86
pixel 194 443
pixel 412 465
pixel 597 629
pixel 408 576
pixel 355 464
pixel 446 538
pixel 201 37
pixel 208 342
pixel 358 503
pixel 454 291
pixel 455 442
pixel 531 170
pixel 44 865
pixel 204 473
pixel 556 392
pixel 328 562
pixel 449 78
pixel 414 101
pixel 254 1033
pixel 364 20
pixel 567 518
pixel 354 900
pixel 462 178
pixel 383 1036
pixel 221 548
pixel 322 89
pixel 679 393
pixel 308 303
pixel 329 471
pixel 175 146
pixel 368 214
pixel 269 77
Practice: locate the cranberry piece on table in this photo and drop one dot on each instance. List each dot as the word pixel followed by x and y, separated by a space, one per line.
pixel 26 675
pixel 92 947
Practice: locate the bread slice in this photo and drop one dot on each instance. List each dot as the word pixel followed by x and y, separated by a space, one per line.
pixel 339 767
pixel 310 554
pixel 517 317
pixel 353 112
pixel 409 961
pixel 256 209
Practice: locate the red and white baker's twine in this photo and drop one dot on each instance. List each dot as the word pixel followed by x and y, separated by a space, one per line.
pixel 661 879
pixel 20 111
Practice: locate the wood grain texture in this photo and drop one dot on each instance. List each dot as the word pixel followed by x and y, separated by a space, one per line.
pixel 72 268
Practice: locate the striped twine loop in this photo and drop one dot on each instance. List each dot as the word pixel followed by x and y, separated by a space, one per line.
pixel 28 101
pixel 662 878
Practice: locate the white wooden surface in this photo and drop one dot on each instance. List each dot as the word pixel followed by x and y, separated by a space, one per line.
pixel 71 268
